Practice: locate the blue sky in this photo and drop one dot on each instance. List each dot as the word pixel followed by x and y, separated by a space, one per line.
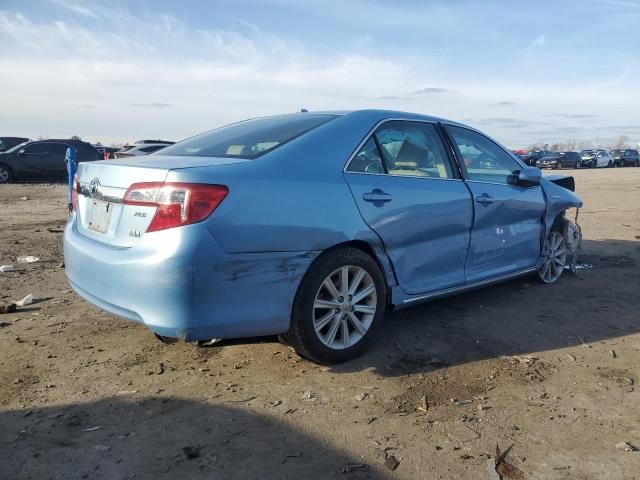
pixel 522 71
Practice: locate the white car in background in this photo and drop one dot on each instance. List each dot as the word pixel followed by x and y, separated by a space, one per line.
pixel 596 158
pixel 142 147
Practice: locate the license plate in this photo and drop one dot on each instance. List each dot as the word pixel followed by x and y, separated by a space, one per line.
pixel 99 216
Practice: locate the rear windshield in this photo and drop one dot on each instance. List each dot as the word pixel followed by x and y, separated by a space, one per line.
pixel 250 138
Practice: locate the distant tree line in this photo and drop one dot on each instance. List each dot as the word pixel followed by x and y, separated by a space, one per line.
pixel 574 145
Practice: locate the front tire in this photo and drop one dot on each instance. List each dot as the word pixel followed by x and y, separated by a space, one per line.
pixel 554 256
pixel 6 175
pixel 338 306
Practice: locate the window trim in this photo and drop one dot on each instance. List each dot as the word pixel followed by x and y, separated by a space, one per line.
pixel 371 133
pixel 459 159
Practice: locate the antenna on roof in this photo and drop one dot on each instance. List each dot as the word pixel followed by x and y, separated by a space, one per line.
pixel 304 110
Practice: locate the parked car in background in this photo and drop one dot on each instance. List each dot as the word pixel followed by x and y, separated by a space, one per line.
pixel 110 151
pixel 42 160
pixel 596 158
pixel 533 156
pixel 560 160
pixel 625 158
pixel 311 225
pixel 7 143
pixel 142 147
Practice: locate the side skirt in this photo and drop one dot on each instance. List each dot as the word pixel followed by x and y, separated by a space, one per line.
pixel 405 301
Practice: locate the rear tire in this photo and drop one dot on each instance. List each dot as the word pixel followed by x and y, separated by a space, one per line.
pixel 6 175
pixel 330 323
pixel 610 164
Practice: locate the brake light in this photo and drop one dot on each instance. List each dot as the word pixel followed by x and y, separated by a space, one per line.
pixel 177 204
pixel 74 193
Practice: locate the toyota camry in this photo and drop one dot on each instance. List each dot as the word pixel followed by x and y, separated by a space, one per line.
pixel 310 226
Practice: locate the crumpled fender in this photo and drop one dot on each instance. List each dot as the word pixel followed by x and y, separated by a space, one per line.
pixel 558 199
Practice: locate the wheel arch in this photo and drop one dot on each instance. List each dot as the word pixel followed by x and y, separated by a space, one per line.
pixel 12 174
pixel 377 253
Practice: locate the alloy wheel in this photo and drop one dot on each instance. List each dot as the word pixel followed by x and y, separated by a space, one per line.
pixel 4 175
pixel 344 307
pixel 554 255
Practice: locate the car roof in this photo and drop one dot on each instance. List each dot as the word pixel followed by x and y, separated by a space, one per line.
pixel 383 114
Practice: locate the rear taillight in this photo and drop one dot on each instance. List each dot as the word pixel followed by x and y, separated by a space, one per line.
pixel 74 193
pixel 177 203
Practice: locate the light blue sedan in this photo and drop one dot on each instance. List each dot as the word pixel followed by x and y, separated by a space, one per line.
pixel 310 226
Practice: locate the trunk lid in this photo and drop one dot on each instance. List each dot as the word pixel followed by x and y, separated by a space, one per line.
pixel 102 216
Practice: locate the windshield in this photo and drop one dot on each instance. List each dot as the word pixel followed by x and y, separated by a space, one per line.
pixel 250 138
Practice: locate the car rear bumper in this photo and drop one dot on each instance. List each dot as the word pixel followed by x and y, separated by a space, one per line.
pixel 180 284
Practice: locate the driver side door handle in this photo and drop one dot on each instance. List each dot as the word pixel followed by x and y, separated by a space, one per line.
pixel 376 195
pixel 485 199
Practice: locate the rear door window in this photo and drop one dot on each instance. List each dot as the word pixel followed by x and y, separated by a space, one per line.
pixel 403 148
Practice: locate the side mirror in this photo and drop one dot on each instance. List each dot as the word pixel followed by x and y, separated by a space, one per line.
pixel 21 152
pixel 527 177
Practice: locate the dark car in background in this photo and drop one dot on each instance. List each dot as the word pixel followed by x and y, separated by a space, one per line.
pixel 533 156
pixel 560 160
pixel 42 160
pixel 625 158
pixel 7 143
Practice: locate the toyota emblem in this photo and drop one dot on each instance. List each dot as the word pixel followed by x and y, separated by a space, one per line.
pixel 93 186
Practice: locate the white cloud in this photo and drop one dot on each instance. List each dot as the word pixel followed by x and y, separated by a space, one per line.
pixel 66 78
pixel 76 8
pixel 540 41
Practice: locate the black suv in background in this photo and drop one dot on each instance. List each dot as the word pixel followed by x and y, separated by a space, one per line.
pixel 42 160
pixel 532 157
pixel 625 158
pixel 560 160
pixel 7 143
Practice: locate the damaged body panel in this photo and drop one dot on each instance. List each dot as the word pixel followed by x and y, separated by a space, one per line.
pixel 560 197
pixel 221 235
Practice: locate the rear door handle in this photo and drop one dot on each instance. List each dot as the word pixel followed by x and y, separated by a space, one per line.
pixel 485 199
pixel 376 195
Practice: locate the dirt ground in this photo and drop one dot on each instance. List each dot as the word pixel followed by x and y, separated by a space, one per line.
pixel 550 371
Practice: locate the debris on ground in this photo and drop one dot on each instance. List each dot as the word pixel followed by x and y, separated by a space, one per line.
pixel 354 467
pixel 491 467
pixel 613 354
pixel 27 259
pixel 102 448
pixel 309 396
pixel 391 463
pixel 8 308
pixel 424 406
pixel 627 447
pixel 6 268
pixel 361 396
pixel 505 470
pixel 583 266
pixel 92 429
pixel 191 452
pixel 27 300
pixel 485 406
